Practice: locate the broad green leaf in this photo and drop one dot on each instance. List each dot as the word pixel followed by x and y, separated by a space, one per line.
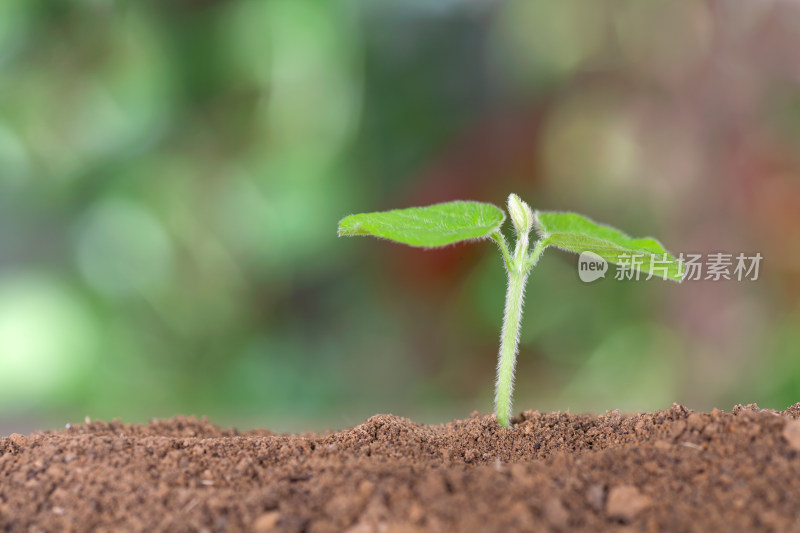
pixel 576 233
pixel 435 225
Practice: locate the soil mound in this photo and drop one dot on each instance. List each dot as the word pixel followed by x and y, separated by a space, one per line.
pixel 671 470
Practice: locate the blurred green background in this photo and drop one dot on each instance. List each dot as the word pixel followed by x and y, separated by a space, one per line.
pixel 172 173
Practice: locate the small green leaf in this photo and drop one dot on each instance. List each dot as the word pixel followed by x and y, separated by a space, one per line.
pixel 576 233
pixel 435 225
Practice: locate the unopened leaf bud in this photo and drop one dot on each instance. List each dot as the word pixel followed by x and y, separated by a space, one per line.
pixel 521 214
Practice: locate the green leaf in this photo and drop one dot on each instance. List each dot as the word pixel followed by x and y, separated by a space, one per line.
pixel 576 233
pixel 435 225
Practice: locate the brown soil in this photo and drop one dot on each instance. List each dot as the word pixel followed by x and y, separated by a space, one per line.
pixel 667 471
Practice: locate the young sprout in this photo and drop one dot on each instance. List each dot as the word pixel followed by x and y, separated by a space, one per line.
pixel 451 222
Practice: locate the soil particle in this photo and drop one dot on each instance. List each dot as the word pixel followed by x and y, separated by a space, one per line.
pixel 791 432
pixel 625 502
pixel 556 514
pixel 669 470
pixel 17 440
pixel 266 522
pixel 596 497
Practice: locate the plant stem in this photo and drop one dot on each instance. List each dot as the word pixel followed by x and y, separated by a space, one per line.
pixel 501 242
pixel 541 244
pixel 509 340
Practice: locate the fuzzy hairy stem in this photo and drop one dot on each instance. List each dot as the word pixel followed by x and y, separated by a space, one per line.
pixel 518 269
pixel 509 341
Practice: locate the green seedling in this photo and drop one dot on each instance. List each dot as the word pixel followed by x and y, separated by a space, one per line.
pixel 451 222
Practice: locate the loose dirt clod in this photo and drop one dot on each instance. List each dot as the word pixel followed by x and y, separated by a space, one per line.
pixel 791 432
pixel 17 439
pixel 668 470
pixel 266 522
pixel 625 502
pixel 556 514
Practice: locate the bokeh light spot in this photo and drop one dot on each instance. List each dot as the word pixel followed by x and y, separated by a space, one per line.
pixel 681 42
pixel 14 160
pixel 48 338
pixel 539 38
pixel 314 102
pixel 122 248
pixel 591 144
